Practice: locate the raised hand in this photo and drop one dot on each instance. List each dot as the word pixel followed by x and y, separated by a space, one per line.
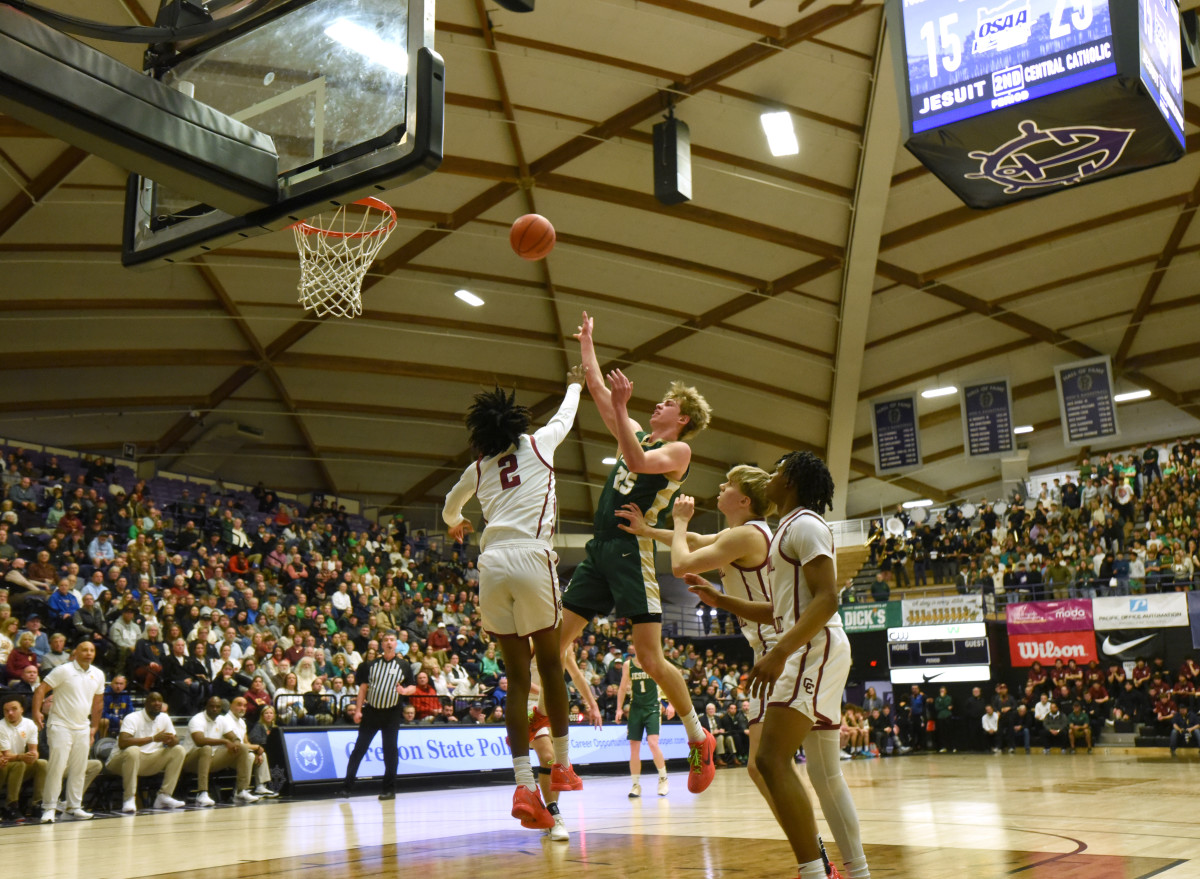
pixel 635 519
pixel 684 509
pixel 577 375
pixel 622 387
pixel 585 329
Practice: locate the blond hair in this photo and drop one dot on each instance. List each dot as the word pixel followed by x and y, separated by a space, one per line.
pixel 752 482
pixel 693 405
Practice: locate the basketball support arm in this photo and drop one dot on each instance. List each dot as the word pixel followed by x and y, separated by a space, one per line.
pixel 91 101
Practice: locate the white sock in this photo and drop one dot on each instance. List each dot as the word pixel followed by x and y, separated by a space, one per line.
pixel 812 870
pixel 662 773
pixel 561 752
pixel 691 723
pixel 524 772
pixel 857 868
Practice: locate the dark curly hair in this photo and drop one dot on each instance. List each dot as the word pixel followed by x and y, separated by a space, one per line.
pixel 808 476
pixel 495 422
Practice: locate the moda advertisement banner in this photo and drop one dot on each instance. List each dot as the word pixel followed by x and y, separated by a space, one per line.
pixel 321 753
pixel 1033 617
pixel 875 617
pixel 943 609
pixel 1046 647
pixel 1140 611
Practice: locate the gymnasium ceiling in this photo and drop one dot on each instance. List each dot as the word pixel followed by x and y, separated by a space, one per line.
pixel 742 291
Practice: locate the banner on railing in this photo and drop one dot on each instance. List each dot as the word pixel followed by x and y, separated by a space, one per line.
pixel 870 617
pixel 942 609
pixel 1154 611
pixel 1031 617
pixel 1046 647
pixel 317 754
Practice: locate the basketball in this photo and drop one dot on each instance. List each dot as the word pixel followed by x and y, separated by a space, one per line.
pixel 532 237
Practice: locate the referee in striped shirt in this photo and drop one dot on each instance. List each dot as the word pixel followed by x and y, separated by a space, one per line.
pixel 382 682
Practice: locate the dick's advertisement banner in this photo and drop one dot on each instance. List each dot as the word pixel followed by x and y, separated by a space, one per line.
pixel 1033 617
pixel 1140 611
pixel 870 617
pixel 1046 647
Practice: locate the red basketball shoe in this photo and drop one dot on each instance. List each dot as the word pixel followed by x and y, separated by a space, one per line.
pixel 564 778
pixel 537 721
pixel 700 759
pixel 530 810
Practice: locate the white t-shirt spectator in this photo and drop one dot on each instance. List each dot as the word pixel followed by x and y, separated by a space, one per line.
pixel 206 726
pixel 74 690
pixel 235 725
pixel 17 739
pixel 991 722
pixel 341 601
pixel 140 725
pixel 1040 710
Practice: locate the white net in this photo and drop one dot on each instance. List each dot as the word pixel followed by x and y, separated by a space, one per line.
pixel 335 253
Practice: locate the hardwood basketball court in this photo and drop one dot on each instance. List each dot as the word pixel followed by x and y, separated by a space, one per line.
pixel 1111 815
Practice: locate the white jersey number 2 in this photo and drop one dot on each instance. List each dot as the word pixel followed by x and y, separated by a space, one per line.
pixel 509 478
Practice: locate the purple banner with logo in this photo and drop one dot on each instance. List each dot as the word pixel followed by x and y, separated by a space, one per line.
pixel 1194 617
pixel 1034 617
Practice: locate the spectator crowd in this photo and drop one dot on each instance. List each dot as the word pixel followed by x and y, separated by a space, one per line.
pixel 1122 523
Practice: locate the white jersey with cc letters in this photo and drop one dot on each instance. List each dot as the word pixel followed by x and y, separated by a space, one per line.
pixel 516 488
pixel 801 537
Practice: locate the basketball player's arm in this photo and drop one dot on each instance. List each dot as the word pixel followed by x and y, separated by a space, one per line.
pixel 555 431
pixel 730 545
pixel 462 492
pixel 821 576
pixel 636 520
pixel 671 458
pixel 622 689
pixel 595 378
pixel 753 611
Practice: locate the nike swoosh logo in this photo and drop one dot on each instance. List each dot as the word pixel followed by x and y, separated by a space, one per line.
pixel 932 677
pixel 1112 649
pixel 626 555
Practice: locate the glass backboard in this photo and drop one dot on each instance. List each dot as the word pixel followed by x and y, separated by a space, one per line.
pixel 349 90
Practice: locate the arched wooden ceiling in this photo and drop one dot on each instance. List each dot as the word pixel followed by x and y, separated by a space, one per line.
pixel 780 276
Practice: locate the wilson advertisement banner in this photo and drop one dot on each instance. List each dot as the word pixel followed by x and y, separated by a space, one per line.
pixel 1046 647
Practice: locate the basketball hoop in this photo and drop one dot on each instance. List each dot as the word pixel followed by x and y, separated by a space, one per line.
pixel 335 253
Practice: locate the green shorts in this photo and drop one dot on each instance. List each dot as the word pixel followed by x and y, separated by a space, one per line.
pixel 616 574
pixel 643 721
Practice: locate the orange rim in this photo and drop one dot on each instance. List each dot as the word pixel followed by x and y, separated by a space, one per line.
pixel 309 229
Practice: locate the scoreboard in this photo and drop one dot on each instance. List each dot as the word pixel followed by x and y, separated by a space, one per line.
pixel 939 654
pixel 1009 99
pixel 969 58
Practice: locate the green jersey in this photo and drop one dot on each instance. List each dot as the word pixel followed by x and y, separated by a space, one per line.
pixel 643 690
pixel 652 492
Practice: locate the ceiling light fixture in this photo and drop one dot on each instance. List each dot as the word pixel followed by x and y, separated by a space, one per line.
pixel 939 392
pixel 1131 395
pixel 1024 428
pixel 781 134
pixel 908 505
pixel 609 461
pixel 468 297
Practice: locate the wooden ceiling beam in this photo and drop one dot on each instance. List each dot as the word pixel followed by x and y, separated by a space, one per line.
pixel 958 362
pixel 1169 252
pixel 230 307
pixel 39 187
pixel 10 127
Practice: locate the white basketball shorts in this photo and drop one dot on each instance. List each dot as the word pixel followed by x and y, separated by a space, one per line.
pixel 518 588
pixel 815 677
